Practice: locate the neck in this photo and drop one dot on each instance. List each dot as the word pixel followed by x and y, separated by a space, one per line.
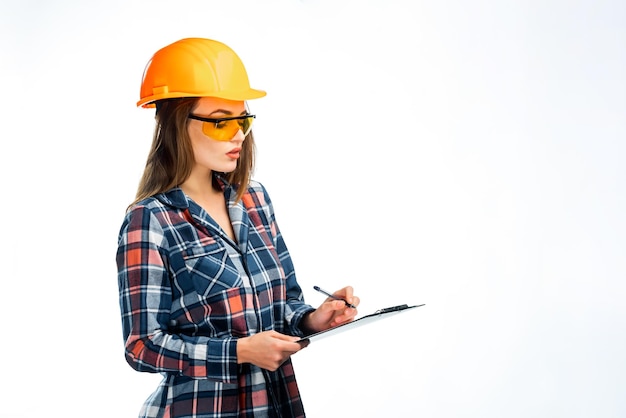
pixel 199 185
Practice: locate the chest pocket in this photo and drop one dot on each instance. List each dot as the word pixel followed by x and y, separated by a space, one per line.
pixel 210 269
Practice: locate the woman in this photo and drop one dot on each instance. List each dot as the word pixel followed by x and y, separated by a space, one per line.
pixel 208 293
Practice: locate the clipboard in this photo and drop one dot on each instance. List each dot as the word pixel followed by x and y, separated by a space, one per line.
pixel 359 322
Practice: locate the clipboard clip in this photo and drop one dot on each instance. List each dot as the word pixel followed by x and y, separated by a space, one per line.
pixel 391 309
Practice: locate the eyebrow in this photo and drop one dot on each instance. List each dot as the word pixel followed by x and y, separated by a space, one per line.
pixel 227 112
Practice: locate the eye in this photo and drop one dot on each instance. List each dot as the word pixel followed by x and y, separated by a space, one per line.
pixel 221 125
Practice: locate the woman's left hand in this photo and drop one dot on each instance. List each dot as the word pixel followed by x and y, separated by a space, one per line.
pixel 332 312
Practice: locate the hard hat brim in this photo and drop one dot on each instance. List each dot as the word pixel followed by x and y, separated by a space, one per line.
pixel 249 94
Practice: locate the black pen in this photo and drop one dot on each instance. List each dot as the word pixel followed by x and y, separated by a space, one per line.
pixel 349 305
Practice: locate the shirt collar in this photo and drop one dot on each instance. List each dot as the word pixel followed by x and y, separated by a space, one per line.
pixel 173 197
pixel 176 197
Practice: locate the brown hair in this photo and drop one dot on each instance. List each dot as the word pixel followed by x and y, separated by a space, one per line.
pixel 171 159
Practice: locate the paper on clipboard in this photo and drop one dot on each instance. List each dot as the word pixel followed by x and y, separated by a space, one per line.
pixel 359 322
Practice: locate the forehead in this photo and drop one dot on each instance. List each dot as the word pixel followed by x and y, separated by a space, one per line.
pixel 214 105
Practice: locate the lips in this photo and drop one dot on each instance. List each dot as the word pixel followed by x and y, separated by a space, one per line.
pixel 234 153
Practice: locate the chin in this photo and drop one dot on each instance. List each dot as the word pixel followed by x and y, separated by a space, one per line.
pixel 228 169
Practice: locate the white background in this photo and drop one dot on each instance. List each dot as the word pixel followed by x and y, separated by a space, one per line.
pixel 465 155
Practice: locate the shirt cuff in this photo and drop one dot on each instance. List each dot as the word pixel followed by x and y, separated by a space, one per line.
pixel 296 320
pixel 222 360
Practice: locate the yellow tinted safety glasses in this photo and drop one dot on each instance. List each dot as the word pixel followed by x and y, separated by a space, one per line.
pixel 225 129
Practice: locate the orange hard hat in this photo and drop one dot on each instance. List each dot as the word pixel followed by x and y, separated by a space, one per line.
pixel 195 67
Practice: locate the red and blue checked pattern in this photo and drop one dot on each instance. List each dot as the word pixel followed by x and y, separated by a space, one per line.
pixel 186 298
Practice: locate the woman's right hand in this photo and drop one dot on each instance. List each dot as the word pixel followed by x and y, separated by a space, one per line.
pixel 268 349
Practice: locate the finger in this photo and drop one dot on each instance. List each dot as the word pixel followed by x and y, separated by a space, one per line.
pixel 338 312
pixel 339 319
pixel 344 292
pixel 348 291
pixel 347 315
pixel 332 305
pixel 293 347
pixel 284 337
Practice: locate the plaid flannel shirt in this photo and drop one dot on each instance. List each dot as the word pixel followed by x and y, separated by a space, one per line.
pixel 186 297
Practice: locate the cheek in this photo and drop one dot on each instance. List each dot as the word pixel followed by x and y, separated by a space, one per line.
pixel 205 150
pixel 195 134
pixel 200 144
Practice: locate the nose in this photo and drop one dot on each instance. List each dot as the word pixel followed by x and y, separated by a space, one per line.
pixel 239 136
